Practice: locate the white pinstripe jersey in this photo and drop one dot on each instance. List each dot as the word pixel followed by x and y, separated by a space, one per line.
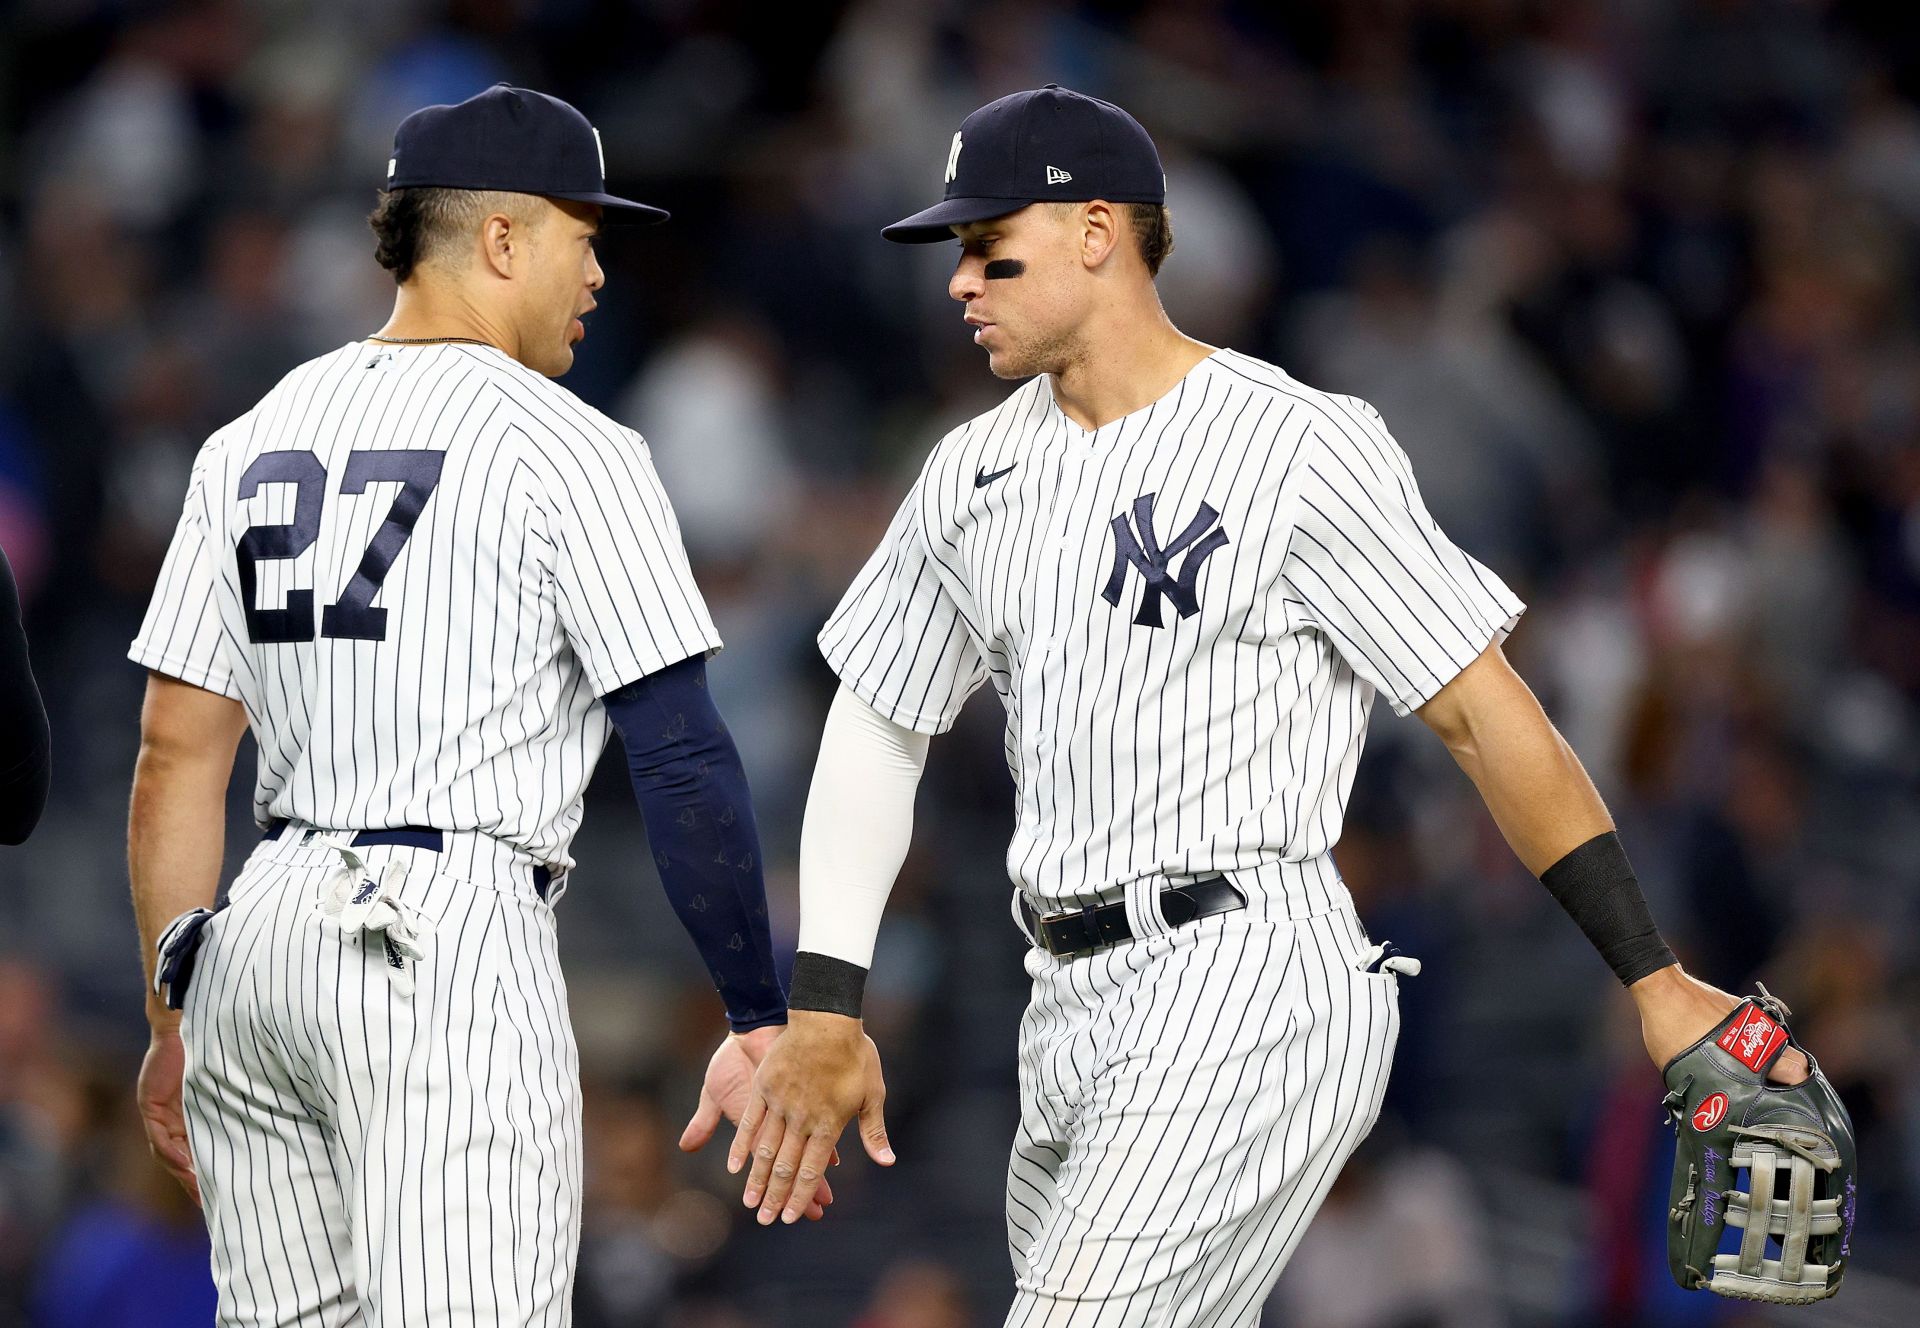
pixel 419 568
pixel 1186 612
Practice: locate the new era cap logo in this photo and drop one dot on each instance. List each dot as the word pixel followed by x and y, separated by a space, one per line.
pixel 1752 1038
pixel 953 158
pixel 1054 175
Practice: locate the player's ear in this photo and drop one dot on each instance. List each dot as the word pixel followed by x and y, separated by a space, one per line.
pixel 499 233
pixel 1099 232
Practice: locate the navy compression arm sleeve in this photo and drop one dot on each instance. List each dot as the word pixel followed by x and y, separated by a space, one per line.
pixel 24 759
pixel 693 795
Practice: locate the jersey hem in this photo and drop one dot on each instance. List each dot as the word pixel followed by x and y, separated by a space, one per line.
pixel 1403 706
pixel 181 671
pixel 706 648
pixel 916 721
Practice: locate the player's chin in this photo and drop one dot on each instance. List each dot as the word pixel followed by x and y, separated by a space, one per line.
pixel 1008 364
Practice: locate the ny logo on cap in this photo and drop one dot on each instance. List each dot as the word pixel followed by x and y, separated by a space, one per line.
pixel 1057 176
pixel 1143 552
pixel 953 158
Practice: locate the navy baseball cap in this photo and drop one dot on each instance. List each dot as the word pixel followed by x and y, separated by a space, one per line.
pixel 511 139
pixel 1049 145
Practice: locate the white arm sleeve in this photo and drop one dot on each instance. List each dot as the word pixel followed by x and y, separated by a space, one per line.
pixel 858 824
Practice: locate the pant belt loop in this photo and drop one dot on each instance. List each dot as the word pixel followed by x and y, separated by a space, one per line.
pixel 1142 901
pixel 1021 909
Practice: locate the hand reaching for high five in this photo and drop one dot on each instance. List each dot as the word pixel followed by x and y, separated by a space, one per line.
pixel 725 1092
pixel 821 1073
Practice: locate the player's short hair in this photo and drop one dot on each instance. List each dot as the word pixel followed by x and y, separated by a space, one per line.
pixel 1152 230
pixel 421 226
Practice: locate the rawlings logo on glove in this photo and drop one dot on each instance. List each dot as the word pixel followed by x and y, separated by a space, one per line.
pixel 1752 1037
pixel 1793 1142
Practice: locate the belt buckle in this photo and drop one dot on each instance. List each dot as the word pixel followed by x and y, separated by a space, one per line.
pixel 1041 924
pixel 1066 915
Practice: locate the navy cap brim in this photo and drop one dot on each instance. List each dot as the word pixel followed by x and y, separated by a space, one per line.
pixel 637 214
pixel 931 226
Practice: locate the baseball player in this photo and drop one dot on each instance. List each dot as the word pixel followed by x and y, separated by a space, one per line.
pixel 430 581
pixel 1186 575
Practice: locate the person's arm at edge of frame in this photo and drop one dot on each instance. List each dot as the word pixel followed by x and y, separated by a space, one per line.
pixel 176 839
pixel 853 840
pixel 1553 818
pixel 25 742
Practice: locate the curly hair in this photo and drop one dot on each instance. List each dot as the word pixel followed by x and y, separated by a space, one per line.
pixel 417 226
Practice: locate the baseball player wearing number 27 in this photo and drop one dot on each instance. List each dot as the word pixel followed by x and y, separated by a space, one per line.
pixel 1187 575
pixel 431 581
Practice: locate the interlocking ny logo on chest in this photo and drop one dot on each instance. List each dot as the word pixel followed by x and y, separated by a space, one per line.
pixel 1136 546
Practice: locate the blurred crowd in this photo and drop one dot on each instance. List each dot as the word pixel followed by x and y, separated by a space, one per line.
pixel 1634 283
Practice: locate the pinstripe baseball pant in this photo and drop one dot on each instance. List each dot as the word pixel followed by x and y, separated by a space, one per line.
pixel 373 1157
pixel 1187 1099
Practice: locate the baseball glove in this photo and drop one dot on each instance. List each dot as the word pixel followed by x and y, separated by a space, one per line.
pixel 1794 1147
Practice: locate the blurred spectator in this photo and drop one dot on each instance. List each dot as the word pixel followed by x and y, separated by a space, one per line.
pixel 643 1234
pixel 1400 1241
pixel 133 1253
pixel 916 1293
pixel 710 406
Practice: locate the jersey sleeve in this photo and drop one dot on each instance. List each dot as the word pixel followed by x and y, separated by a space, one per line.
pixel 1405 607
pixel 181 635
pixel 626 593
pixel 899 640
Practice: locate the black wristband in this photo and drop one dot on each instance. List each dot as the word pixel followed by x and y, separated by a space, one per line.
pixel 821 982
pixel 1595 884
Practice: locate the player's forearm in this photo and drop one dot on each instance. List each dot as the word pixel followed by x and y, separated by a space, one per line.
pixel 176 823
pixel 176 838
pixel 858 827
pixel 693 795
pixel 1534 786
pixel 1549 811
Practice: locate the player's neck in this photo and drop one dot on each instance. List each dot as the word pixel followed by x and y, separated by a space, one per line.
pixel 424 313
pixel 1129 359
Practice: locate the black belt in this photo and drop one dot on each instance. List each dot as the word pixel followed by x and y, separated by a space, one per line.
pixel 1085 930
pixel 414 836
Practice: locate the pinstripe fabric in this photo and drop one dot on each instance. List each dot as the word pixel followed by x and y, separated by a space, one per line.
pixel 545 570
pixel 1186 1102
pixel 1225 741
pixel 372 1159
pixel 1187 614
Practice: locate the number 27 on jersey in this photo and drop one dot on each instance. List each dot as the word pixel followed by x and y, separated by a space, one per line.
pixel 353 616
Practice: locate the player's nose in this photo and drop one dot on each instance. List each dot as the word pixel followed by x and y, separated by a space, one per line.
pixel 596 275
pixel 969 281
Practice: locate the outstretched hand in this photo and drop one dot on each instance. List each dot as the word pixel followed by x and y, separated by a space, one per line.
pixel 1677 1010
pixel 818 1076
pixel 725 1092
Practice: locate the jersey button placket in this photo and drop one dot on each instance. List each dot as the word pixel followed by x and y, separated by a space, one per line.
pixel 1042 663
pixel 1057 574
pixel 1059 538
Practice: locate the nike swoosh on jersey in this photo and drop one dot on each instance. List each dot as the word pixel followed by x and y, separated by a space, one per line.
pixel 982 478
